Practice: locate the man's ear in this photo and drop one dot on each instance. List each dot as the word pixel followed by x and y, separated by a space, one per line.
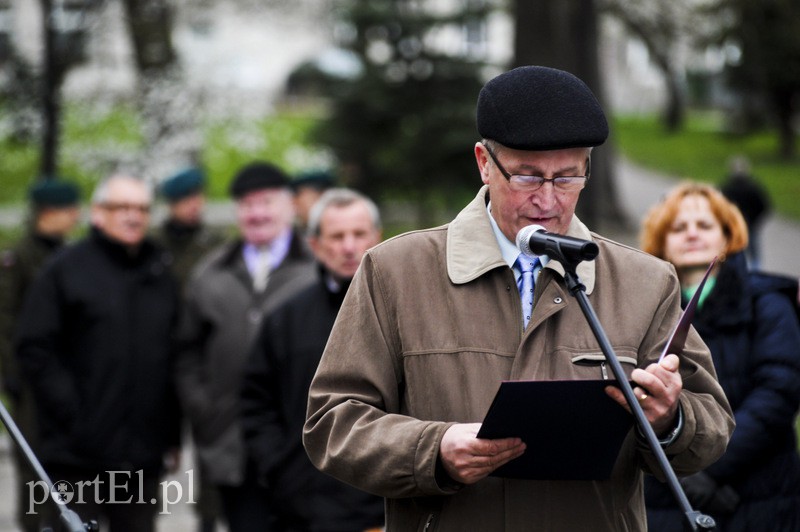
pixel 482 159
pixel 313 243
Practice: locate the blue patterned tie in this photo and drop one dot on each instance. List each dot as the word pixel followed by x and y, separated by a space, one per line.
pixel 525 284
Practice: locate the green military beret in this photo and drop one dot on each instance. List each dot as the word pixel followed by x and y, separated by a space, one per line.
pixel 185 183
pixel 53 192
pixel 539 108
pixel 317 179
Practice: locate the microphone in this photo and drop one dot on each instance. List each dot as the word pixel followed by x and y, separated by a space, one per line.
pixel 535 240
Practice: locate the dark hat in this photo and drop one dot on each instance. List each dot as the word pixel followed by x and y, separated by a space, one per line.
pixel 185 183
pixel 316 179
pixel 53 192
pixel 539 108
pixel 257 176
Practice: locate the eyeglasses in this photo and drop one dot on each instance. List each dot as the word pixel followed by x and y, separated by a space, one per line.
pixel 137 207
pixel 532 183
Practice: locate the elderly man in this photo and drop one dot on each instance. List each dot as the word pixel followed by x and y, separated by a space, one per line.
pixel 342 226
pixel 432 324
pixel 95 342
pixel 54 212
pixel 227 296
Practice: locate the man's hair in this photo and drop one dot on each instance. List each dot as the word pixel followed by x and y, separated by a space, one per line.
pixel 100 194
pixel 339 197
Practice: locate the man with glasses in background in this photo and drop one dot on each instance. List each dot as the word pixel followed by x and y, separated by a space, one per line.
pixel 435 320
pixel 94 341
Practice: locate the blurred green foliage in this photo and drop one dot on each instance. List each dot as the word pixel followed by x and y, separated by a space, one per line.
pixel 94 140
pixel 702 150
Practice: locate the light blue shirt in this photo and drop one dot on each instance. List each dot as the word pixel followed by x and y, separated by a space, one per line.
pixel 510 251
pixel 277 249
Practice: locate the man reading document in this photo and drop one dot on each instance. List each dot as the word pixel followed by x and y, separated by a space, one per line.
pixel 435 319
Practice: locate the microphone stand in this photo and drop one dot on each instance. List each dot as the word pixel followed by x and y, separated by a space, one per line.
pixel 696 520
pixel 71 520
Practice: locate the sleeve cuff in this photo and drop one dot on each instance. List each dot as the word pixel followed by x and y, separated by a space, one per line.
pixel 670 438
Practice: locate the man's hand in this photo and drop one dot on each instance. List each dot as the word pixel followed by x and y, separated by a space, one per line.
pixel 467 459
pixel 659 386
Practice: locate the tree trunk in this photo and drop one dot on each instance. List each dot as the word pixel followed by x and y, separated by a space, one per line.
pixel 565 35
pixel 167 105
pixel 784 111
pixel 51 95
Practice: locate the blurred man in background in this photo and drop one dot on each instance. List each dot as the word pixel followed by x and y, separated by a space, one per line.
pixel 744 190
pixel 307 188
pixel 343 224
pixel 183 233
pixel 95 342
pixel 54 213
pixel 227 295
pixel 187 238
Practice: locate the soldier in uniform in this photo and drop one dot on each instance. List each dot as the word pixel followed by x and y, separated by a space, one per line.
pixel 307 189
pixel 186 237
pixel 183 233
pixel 54 208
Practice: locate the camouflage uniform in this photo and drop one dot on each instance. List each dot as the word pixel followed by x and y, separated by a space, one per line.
pixel 186 245
pixel 19 266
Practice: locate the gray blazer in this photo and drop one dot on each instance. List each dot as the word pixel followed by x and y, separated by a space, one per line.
pixel 219 323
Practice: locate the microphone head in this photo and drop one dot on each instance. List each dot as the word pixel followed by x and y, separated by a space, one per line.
pixel 524 238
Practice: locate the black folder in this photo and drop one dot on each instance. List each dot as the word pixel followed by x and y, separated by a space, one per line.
pixel 572 429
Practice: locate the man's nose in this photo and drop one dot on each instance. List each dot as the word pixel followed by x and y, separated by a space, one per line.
pixel 544 196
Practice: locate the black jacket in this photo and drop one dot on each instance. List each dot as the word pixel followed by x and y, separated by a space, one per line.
pixel 274 398
pixel 95 342
pixel 751 328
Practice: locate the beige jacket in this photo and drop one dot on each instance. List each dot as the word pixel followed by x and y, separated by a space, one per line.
pixel 430 327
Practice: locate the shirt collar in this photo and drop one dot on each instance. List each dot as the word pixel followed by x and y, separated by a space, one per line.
pixel 508 249
pixel 277 249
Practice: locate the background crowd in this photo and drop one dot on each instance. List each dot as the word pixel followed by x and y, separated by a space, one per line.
pixel 119 344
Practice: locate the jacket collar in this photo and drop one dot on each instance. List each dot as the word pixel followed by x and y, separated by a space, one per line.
pixel 472 248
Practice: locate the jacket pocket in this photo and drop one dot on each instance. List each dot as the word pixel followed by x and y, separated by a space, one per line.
pixel 595 366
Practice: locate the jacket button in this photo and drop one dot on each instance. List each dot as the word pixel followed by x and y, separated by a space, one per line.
pixel 557 300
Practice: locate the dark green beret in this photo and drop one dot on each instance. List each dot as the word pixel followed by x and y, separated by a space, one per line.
pixel 317 179
pixel 185 183
pixel 53 192
pixel 539 108
pixel 257 176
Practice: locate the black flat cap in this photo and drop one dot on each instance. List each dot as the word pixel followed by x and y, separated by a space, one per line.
pixel 183 184
pixel 53 192
pixel 257 176
pixel 539 108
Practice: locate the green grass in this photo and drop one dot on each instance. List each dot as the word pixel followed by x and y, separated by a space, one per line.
pixel 701 152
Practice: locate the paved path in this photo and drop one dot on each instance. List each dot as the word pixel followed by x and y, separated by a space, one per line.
pixel 637 188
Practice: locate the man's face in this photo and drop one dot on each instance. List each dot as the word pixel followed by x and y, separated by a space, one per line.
pixel 188 210
pixel 346 233
pixel 551 208
pixel 304 199
pixel 264 214
pixel 125 214
pixel 59 221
